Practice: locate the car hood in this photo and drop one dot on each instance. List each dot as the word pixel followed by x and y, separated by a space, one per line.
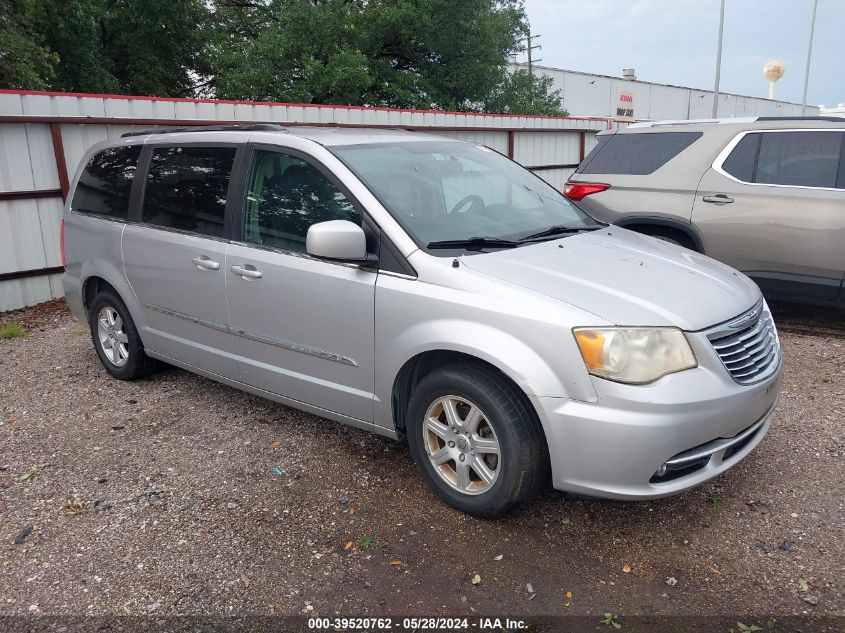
pixel 625 278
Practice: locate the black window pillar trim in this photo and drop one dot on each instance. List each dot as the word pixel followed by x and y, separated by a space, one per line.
pixel 139 181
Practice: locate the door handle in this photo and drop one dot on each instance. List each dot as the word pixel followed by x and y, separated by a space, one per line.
pixel 204 263
pixel 247 272
pixel 719 198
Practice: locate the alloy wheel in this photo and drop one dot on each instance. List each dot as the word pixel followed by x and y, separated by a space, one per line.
pixel 113 339
pixel 461 444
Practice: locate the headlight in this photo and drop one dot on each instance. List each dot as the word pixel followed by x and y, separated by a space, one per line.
pixel 634 355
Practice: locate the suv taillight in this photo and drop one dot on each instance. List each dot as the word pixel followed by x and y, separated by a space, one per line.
pixel 577 191
pixel 62 242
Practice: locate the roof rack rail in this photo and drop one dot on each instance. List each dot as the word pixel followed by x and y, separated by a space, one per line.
pixel 834 119
pixel 244 127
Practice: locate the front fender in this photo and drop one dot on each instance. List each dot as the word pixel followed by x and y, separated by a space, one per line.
pixel 527 368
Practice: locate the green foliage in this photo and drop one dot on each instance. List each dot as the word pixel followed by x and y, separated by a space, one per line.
pixel 25 61
pixel 447 54
pixel 12 330
pixel 610 619
pixel 148 47
pixel 520 92
pixel 440 54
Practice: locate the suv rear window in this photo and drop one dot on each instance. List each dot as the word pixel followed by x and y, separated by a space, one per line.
pixel 186 188
pixel 636 154
pixel 803 159
pixel 106 182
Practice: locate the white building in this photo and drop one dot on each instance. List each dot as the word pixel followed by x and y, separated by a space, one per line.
pixel 839 110
pixel 587 94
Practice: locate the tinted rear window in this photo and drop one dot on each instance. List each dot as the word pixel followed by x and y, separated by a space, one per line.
pixel 806 159
pixel 106 181
pixel 601 139
pixel 637 154
pixel 186 188
pixel 740 164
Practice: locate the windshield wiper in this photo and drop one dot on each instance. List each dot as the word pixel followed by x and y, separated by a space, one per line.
pixel 471 243
pixel 560 229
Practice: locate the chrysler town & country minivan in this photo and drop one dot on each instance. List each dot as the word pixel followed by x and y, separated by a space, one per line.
pixel 426 289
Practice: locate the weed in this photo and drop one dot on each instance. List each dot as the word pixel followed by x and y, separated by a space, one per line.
pixel 609 619
pixel 12 330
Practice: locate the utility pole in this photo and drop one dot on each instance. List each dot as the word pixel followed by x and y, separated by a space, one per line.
pixel 529 47
pixel 718 61
pixel 809 54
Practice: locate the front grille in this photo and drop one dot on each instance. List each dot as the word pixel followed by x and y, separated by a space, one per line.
pixel 748 345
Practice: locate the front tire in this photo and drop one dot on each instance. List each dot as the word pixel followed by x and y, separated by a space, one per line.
pixel 116 339
pixel 476 440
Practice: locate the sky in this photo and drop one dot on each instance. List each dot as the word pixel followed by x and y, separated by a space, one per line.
pixel 674 42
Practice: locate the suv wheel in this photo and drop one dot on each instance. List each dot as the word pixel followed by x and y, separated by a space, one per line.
pixel 116 339
pixel 476 440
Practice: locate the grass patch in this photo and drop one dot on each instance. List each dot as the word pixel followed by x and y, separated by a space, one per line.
pixel 12 330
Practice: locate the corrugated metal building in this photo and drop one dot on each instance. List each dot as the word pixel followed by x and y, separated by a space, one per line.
pixel 44 135
pixel 599 95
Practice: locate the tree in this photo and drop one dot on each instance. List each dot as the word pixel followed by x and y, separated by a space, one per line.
pixel 148 47
pixel 426 54
pixel 520 92
pixel 25 61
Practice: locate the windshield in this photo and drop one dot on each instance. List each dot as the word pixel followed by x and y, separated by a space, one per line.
pixel 446 191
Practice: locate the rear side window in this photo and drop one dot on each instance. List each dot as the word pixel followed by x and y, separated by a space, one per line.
pixel 740 164
pixel 186 188
pixel 637 154
pixel 808 159
pixel 803 159
pixel 601 139
pixel 106 181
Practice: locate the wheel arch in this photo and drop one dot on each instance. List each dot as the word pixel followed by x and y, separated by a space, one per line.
pixel 100 276
pixel 424 363
pixel 639 222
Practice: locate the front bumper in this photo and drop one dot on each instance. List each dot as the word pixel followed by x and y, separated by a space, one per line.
pixel 699 421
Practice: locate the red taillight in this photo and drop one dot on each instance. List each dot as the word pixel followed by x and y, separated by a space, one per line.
pixel 62 243
pixel 577 191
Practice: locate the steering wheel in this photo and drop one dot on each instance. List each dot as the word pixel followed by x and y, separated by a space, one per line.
pixel 476 203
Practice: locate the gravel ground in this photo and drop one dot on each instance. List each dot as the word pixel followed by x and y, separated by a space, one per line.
pixel 176 495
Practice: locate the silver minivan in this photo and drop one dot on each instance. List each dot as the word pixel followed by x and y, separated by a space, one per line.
pixel 429 290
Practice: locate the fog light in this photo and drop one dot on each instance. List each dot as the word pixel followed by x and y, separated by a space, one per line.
pixel 661 471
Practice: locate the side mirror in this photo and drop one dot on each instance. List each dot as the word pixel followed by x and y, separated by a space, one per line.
pixel 339 240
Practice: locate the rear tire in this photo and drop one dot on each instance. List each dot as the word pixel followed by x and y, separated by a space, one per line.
pixel 476 440
pixel 116 339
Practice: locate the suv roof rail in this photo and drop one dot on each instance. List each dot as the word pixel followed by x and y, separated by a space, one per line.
pixel 834 119
pixel 728 120
pixel 242 127
pixel 747 119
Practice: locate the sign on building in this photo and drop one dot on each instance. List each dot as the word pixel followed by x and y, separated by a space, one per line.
pixel 624 106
